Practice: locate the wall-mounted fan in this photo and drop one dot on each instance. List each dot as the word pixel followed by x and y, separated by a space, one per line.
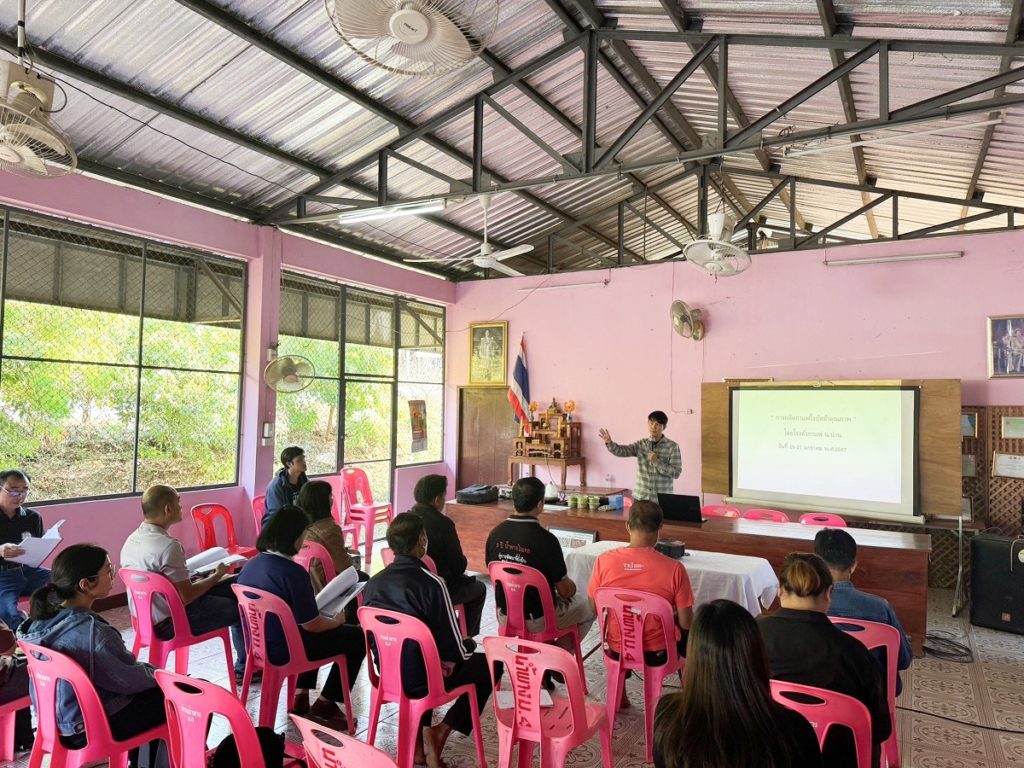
pixel 716 254
pixel 488 258
pixel 415 37
pixel 687 322
pixel 30 145
pixel 290 373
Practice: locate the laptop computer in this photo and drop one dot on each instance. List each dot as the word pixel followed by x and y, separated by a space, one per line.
pixel 679 508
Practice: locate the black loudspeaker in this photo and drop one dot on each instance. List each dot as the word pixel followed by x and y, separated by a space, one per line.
pixel 997 582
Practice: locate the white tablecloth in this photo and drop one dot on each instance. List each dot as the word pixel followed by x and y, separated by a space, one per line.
pixel 749 581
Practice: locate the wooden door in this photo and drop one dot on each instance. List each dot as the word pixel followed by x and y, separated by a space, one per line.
pixel 486 429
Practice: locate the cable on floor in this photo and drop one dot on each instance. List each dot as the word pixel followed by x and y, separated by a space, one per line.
pixel 961 722
pixel 942 646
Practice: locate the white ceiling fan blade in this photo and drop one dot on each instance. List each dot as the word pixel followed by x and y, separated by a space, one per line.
pixel 30 160
pixel 365 19
pixel 504 269
pixel 508 253
pixel 436 259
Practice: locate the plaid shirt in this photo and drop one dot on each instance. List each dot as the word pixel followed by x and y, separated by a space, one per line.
pixel 652 477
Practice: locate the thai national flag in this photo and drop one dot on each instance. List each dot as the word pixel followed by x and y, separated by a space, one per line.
pixel 519 390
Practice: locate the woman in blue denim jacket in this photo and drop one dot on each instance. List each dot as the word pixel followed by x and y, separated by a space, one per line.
pixel 61 618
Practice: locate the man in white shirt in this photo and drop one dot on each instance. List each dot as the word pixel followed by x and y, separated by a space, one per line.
pixel 209 602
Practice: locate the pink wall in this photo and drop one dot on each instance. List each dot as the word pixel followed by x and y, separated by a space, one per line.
pixel 612 349
pixel 405 482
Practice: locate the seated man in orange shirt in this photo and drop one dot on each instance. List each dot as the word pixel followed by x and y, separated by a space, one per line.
pixel 640 566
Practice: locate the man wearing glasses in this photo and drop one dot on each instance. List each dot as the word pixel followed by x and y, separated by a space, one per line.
pixel 16 523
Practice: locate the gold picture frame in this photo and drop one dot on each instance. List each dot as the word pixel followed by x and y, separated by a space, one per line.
pixel 488 354
pixel 1005 346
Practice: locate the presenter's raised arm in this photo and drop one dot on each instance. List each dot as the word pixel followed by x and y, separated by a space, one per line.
pixel 604 435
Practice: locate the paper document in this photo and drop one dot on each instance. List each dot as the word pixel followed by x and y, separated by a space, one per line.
pixel 208 560
pixel 37 550
pixel 333 598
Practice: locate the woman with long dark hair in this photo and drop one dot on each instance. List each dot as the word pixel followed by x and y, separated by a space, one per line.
pixel 274 571
pixel 316 499
pixel 805 647
pixel 724 716
pixel 61 618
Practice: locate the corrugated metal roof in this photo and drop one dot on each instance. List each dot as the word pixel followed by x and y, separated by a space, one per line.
pixel 277 124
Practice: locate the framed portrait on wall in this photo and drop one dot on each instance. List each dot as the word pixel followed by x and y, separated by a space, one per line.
pixel 488 354
pixel 969 424
pixel 1005 346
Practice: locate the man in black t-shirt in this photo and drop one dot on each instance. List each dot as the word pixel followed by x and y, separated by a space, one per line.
pixel 16 522
pixel 521 539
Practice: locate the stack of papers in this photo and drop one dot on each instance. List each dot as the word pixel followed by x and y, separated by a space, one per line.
pixel 37 550
pixel 332 599
pixel 208 560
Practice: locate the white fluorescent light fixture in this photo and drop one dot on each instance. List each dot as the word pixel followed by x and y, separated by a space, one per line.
pixel 391 211
pixel 890 259
pixel 894 137
pixel 601 283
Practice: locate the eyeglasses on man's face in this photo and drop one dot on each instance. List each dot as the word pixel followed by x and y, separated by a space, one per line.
pixel 15 493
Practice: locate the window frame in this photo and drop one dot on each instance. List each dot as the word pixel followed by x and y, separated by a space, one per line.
pixel 143 244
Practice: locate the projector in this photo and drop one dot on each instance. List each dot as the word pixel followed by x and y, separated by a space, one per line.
pixel 671 547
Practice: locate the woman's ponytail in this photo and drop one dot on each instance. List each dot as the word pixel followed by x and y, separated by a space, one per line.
pixel 77 562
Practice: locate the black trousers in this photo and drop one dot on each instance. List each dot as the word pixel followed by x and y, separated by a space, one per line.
pixel 472 594
pixel 322 645
pixel 145 711
pixel 472 672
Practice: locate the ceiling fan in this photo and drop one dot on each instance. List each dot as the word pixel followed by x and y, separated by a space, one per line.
pixel 488 258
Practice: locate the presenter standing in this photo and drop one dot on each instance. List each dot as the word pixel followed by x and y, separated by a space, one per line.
pixel 659 462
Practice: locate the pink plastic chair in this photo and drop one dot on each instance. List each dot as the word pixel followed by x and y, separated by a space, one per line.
pixel 190 703
pixel 632 609
pixel 259 509
pixel 558 729
pixel 387 556
pixel 338 491
pixel 826 709
pixel 386 633
pixel 205 517
pixel 874 634
pixel 344 752
pixel 7 713
pixel 45 668
pixel 362 511
pixel 719 510
pixel 769 515
pixel 143 586
pixel 514 580
pixel 255 605
pixel 311 551
pixel 824 519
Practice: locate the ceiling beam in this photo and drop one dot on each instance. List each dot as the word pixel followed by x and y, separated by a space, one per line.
pixel 830 26
pixel 1013 35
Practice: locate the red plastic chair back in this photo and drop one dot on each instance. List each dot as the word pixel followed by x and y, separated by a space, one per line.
pixel 874 634
pixel 770 515
pixel 7 713
pixel 357 487
pixel 144 587
pixel 363 512
pixel 719 510
pixel 259 509
pixel 827 709
pixel 48 669
pixel 326 748
pixel 311 551
pixel 255 606
pixel 205 517
pixel 632 609
pixel 568 722
pixel 823 519
pixel 190 703
pixel 386 634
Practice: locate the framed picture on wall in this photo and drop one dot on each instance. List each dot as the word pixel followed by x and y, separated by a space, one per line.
pixel 968 425
pixel 1005 346
pixel 488 354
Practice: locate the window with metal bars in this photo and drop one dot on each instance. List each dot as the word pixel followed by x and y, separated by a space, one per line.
pixel 377 397
pixel 120 360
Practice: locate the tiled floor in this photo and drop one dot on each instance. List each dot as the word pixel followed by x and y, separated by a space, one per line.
pixel 987 692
